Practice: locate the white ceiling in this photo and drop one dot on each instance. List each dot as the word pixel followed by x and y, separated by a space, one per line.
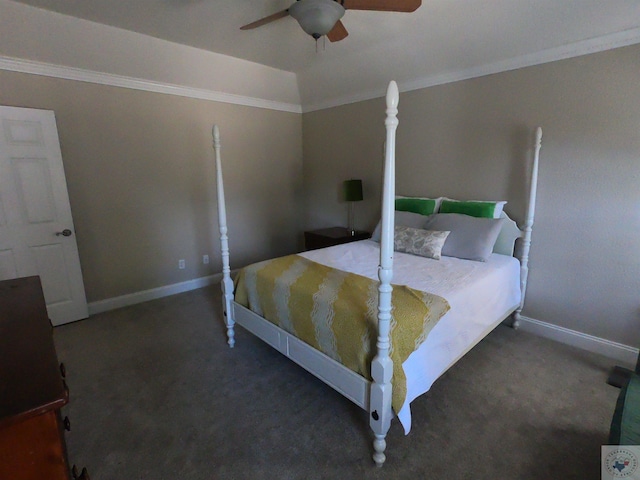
pixel 442 40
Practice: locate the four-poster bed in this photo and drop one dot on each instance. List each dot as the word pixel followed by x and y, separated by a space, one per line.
pixel 461 311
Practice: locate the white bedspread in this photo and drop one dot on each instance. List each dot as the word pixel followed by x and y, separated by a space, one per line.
pixel 481 294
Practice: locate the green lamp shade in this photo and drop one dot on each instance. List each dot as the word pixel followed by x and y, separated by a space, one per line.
pixel 353 190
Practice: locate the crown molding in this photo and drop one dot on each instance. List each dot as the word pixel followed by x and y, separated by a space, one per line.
pixel 594 45
pixel 113 80
pixel 577 49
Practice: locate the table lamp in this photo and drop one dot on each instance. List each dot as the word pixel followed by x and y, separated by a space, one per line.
pixel 352 193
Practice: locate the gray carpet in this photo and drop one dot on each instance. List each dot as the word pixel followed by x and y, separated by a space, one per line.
pixel 157 394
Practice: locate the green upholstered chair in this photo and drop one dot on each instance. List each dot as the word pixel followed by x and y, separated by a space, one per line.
pixel 625 425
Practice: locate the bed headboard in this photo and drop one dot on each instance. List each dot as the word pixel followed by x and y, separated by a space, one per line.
pixel 505 244
pixel 510 232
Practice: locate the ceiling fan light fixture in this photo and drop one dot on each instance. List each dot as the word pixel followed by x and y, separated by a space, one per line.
pixel 316 17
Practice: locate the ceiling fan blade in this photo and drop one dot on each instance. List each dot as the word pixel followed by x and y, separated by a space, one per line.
pixel 337 33
pixel 382 5
pixel 265 20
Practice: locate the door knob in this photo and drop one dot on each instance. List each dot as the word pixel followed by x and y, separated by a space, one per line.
pixel 65 233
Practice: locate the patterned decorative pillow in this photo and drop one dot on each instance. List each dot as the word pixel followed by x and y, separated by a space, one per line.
pixel 425 243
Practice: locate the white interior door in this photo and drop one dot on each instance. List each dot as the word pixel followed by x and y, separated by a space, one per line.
pixel 36 230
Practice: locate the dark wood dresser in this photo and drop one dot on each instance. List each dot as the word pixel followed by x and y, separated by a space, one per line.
pixel 32 388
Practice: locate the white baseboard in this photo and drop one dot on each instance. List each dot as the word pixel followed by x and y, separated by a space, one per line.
pixel 621 353
pixel 146 295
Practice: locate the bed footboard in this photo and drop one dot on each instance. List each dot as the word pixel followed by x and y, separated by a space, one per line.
pixel 382 365
pixel 372 396
pixel 348 383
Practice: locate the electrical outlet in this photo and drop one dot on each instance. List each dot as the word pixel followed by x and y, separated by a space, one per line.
pixel 181 264
pixel 205 259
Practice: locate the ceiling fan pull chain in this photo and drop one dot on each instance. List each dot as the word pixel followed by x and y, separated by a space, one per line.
pixel 324 43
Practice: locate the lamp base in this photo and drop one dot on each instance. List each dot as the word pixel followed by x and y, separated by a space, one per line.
pixel 351 220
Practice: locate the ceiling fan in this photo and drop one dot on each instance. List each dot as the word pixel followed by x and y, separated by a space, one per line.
pixel 322 17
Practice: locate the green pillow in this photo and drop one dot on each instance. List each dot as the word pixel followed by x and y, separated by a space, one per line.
pixel 472 208
pixel 423 206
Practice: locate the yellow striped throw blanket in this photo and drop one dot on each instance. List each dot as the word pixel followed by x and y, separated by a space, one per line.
pixel 337 312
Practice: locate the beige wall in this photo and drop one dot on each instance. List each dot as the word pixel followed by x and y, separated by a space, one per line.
pixel 139 167
pixel 471 139
pixel 140 175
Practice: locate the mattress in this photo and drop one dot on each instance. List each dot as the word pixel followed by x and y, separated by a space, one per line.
pixel 481 295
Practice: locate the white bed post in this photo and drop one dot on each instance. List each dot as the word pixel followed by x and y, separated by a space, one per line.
pixel 526 237
pixel 382 365
pixel 227 283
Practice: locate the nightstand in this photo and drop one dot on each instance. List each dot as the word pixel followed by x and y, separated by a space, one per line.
pixel 327 237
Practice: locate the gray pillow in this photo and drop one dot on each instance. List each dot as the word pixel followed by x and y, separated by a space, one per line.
pixel 404 219
pixel 471 238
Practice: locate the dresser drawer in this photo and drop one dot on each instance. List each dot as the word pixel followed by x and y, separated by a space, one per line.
pixel 34 449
